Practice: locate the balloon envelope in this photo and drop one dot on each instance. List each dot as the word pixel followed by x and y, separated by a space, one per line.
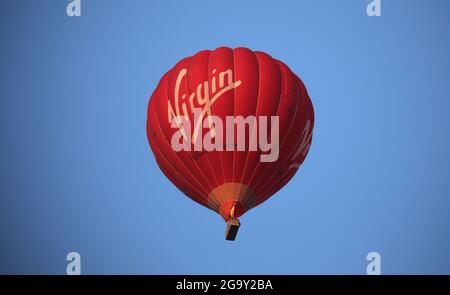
pixel 190 108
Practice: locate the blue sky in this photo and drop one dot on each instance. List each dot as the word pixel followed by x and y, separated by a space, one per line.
pixel 77 173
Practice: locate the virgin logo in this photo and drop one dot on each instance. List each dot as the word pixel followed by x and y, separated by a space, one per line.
pixel 189 136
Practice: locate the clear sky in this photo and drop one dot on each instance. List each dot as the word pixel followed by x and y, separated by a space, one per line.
pixel 77 173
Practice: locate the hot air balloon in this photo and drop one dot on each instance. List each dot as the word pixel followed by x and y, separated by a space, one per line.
pixel 229 128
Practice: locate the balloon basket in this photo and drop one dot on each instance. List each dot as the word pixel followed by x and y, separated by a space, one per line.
pixel 232 229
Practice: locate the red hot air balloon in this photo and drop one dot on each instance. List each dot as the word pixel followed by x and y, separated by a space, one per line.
pixel 230 127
